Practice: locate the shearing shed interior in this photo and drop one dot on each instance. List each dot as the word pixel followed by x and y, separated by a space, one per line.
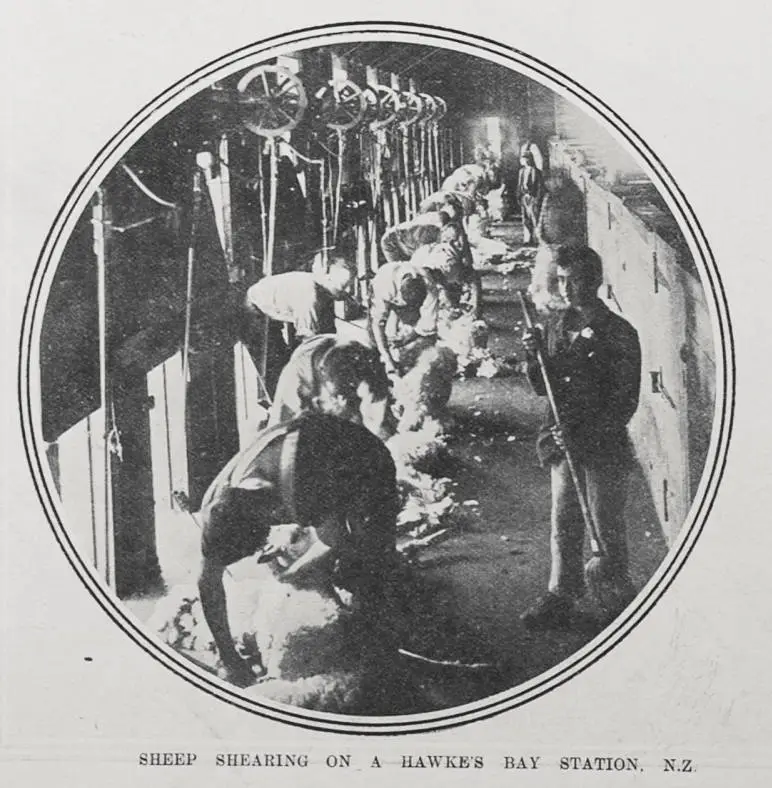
pixel 151 382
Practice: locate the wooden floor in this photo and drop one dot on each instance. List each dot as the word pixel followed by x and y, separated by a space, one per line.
pixel 465 594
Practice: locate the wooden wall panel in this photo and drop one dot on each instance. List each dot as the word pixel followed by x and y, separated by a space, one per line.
pixel 648 282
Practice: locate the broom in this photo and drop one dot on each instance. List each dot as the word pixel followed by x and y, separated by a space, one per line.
pixel 609 592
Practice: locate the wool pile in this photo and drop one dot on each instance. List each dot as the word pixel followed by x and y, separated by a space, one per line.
pixel 486 251
pixel 424 390
pixel 420 447
pixel 427 503
pixel 495 200
pixel 468 339
pixel 484 248
pixel 521 259
pixel 336 692
pixel 179 619
pixel 300 634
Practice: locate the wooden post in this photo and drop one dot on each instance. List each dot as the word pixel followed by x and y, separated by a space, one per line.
pixel 136 561
pixel 437 169
pixel 373 138
pixel 401 189
pixel 100 220
pixel 212 428
pixel 274 186
pixel 235 272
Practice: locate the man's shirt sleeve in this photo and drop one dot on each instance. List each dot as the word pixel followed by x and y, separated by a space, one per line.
pixel 306 311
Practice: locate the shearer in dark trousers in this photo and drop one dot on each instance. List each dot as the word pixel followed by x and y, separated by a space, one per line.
pixel 530 191
pixel 593 358
pixel 321 472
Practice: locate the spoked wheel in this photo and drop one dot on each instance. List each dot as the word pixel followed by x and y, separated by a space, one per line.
pixel 430 107
pixel 388 105
pixel 342 105
pixel 272 100
pixel 412 108
pixel 371 104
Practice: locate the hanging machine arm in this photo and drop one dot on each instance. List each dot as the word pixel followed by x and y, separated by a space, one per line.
pixel 341 107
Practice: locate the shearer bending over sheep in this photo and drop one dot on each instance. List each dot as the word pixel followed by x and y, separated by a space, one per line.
pixel 469 212
pixel 460 203
pixel 302 301
pixel 470 179
pixel 403 328
pixel 403 315
pixel 444 226
pixel 340 377
pixel 337 481
pixel 467 186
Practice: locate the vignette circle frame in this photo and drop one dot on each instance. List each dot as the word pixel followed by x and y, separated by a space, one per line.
pixel 515 60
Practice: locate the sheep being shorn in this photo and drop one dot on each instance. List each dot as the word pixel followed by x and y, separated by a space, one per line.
pixel 303 635
pixel 468 338
pixel 310 654
pixel 306 636
pixel 424 390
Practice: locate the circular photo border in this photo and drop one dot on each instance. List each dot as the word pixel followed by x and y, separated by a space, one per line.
pixel 107 157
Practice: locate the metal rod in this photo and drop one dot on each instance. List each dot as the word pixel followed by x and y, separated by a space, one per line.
pixel 133 226
pixel 437 168
pixel 263 212
pixel 405 175
pixel 268 264
pixel 338 186
pixel 189 290
pixel 304 158
pixel 227 212
pixel 244 393
pixel 325 220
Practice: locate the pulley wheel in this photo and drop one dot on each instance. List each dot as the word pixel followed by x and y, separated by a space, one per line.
pixel 412 108
pixel 272 100
pixel 388 107
pixel 371 104
pixel 430 108
pixel 342 105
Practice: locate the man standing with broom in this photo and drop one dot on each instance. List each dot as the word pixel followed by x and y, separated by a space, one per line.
pixel 588 363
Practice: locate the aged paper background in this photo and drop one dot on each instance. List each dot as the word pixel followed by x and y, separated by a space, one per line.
pixel 692 681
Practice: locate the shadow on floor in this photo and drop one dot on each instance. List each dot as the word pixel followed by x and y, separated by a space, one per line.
pixel 495 569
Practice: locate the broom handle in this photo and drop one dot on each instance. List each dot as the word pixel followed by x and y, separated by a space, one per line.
pixel 595 541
